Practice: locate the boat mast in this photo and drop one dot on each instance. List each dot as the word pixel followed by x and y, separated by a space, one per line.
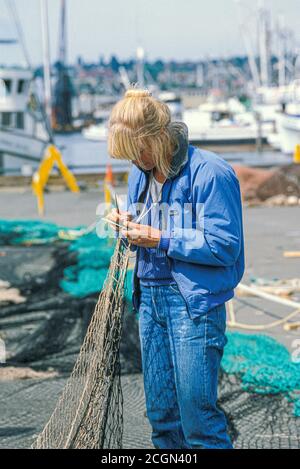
pixel 63 34
pixel 140 54
pixel 63 87
pixel 264 43
pixel 248 46
pixel 281 41
pixel 46 60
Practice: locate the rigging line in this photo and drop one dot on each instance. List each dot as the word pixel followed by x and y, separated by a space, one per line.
pixel 11 6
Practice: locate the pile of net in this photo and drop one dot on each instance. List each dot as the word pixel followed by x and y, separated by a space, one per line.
pixel 52 286
pixel 89 255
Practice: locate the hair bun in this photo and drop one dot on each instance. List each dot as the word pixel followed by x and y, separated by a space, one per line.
pixel 137 93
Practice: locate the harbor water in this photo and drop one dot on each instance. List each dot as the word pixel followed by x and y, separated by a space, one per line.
pixel 89 156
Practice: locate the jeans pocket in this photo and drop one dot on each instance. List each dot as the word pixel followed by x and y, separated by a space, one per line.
pixel 216 327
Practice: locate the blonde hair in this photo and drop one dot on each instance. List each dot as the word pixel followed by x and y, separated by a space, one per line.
pixel 139 122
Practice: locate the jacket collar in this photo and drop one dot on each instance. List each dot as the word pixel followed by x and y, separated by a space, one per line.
pixel 180 156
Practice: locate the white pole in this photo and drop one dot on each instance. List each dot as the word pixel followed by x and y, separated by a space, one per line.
pixel 281 51
pixel 249 49
pixel 140 54
pixel 263 36
pixel 46 59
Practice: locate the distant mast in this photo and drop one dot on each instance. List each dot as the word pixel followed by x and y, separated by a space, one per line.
pixel 62 56
pixel 281 50
pixel 264 37
pixel 46 60
pixel 63 88
pixel 245 33
pixel 140 55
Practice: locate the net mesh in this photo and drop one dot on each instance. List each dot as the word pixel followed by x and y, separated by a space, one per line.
pixel 257 421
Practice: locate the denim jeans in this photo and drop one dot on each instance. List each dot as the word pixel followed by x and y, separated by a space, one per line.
pixel 181 359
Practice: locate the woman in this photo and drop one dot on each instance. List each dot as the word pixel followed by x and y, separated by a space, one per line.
pixel 184 220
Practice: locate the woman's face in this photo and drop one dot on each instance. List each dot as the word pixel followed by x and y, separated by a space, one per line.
pixel 147 161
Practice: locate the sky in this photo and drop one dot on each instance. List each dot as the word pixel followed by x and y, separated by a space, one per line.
pixel 166 29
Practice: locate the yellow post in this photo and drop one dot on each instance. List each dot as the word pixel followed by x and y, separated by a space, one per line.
pixel 38 191
pixel 297 154
pixel 65 172
pixel 41 176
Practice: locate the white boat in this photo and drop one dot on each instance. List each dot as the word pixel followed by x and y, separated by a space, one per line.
pixel 288 128
pixel 223 123
pixel 287 134
pixel 22 132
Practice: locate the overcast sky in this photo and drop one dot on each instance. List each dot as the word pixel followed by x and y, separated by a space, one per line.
pixel 168 29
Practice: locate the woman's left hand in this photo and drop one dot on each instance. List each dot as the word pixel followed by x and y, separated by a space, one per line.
pixel 141 235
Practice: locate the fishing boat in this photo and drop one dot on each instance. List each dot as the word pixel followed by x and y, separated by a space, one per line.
pixel 288 129
pixel 223 123
pixel 22 129
pixel 287 134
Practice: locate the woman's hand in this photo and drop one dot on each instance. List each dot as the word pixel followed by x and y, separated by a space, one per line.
pixel 141 235
pixel 120 218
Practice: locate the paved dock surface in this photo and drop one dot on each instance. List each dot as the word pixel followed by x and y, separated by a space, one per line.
pixel 25 407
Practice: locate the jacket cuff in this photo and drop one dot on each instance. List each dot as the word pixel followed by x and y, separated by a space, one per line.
pixel 164 240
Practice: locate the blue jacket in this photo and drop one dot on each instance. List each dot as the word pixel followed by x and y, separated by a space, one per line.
pixel 207 257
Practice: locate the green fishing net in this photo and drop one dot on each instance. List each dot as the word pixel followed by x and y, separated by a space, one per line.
pixel 87 273
pixel 264 366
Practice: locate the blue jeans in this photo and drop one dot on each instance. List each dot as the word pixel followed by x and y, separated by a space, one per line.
pixel 181 359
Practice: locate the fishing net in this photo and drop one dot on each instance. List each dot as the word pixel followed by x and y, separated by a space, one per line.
pixel 257 420
pixel 259 385
pixel 83 257
pixel 260 392
pixel 59 281
pixel 89 411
